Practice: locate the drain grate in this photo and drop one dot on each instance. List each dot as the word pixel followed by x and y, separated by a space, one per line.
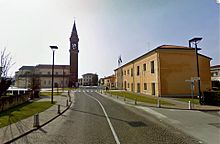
pixel 215 124
pixel 137 124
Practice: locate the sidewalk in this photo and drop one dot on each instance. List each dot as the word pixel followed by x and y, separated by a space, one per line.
pixel 11 131
pixel 177 104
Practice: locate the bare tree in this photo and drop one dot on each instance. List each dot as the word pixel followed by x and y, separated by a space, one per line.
pixel 6 62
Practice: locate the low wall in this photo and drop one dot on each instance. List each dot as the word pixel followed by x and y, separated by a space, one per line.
pixel 12 101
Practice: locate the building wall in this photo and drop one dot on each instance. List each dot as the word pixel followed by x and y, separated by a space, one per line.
pixel 136 82
pixel 177 66
pixel 110 82
pixel 172 67
pixel 215 73
pixel 45 75
pixel 90 79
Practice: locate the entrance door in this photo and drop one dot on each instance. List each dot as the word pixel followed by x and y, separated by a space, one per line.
pixel 153 88
pixel 138 88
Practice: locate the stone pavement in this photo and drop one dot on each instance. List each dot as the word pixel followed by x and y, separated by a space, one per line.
pixel 177 104
pixel 16 129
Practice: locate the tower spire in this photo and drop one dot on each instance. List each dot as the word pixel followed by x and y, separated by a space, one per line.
pixel 74 31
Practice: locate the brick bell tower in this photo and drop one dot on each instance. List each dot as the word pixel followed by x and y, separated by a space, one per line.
pixel 73 79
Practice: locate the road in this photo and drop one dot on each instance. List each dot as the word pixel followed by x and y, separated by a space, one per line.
pixel 94 119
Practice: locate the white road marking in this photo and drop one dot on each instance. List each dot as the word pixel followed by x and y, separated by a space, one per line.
pixel 109 122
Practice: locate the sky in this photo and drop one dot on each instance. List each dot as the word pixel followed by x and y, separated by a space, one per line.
pixel 106 29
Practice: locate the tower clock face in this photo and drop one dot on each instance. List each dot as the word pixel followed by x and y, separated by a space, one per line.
pixel 74 46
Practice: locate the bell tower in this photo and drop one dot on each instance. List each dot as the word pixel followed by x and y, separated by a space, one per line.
pixel 73 78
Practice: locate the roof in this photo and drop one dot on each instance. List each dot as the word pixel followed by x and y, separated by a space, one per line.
pixel 167 47
pixel 46 66
pixel 88 74
pixel 26 68
pixel 215 66
pixel 108 77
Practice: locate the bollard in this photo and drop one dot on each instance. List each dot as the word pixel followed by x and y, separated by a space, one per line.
pixel 70 99
pixel 58 111
pixel 124 98
pixel 67 103
pixel 158 103
pixel 36 120
pixel 189 106
pixel 135 101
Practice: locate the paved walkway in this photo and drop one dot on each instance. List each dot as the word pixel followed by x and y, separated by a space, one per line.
pixel 11 131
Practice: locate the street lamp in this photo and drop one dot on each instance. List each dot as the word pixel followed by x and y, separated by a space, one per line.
pixel 195 41
pixel 53 49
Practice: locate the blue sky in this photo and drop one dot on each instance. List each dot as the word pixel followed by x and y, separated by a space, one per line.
pixel 106 28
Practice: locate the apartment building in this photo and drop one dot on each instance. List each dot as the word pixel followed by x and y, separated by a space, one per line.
pixel 164 72
pixel 90 79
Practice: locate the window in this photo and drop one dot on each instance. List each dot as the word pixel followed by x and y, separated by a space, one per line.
pixel 138 70
pixel 125 72
pixel 128 85
pixel 132 72
pixel 145 86
pixel 45 82
pixel 49 82
pixel 128 72
pixel 152 66
pixel 56 73
pixel 144 67
pixel 48 73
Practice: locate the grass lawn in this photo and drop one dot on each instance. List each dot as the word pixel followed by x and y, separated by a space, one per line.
pixel 22 111
pixel 70 88
pixel 194 101
pixel 55 93
pixel 142 98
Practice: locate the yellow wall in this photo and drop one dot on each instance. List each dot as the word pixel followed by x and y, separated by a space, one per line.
pixel 177 66
pixel 172 68
pixel 143 77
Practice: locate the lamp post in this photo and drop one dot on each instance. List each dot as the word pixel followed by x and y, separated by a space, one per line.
pixel 53 49
pixel 195 41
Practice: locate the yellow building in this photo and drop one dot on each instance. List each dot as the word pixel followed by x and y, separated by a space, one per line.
pixel 109 82
pixel 163 72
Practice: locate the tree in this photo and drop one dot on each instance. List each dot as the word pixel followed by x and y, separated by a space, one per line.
pixel 6 63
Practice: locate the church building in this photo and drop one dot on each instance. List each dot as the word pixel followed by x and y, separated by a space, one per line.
pixel 64 75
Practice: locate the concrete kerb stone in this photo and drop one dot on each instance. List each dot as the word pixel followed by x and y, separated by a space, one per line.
pixel 178 107
pixel 45 117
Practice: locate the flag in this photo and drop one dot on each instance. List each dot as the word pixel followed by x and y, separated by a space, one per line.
pixel 119 60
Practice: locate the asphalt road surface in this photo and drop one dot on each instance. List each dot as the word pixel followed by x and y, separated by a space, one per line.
pixel 94 119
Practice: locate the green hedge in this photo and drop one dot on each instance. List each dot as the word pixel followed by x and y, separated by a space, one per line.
pixel 211 98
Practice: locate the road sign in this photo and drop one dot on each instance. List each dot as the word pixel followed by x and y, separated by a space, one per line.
pixel 195 78
pixel 189 80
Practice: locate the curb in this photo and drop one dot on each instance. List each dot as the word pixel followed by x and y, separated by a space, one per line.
pixel 42 125
pixel 161 107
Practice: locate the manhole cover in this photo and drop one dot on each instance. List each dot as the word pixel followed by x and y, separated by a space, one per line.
pixel 136 124
pixel 215 124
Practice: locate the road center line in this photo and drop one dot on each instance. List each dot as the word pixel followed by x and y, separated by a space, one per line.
pixel 109 122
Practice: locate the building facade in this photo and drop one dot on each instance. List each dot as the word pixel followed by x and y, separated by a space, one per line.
pixel 164 71
pixel 215 76
pixel 109 82
pixel 24 77
pixel 90 79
